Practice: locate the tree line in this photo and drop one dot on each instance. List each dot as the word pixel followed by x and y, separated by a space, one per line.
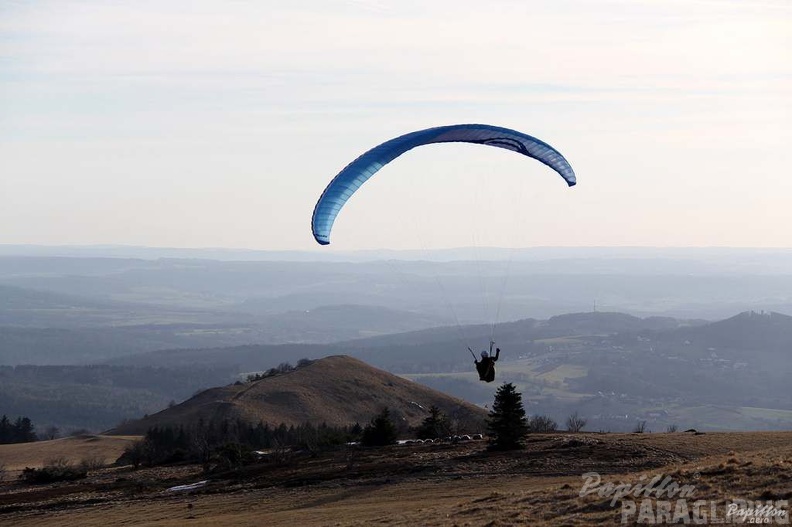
pixel 227 443
pixel 230 441
pixel 19 431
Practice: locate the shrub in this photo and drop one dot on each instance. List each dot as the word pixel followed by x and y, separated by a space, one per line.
pixel 55 470
pixel 134 454
pixel 92 463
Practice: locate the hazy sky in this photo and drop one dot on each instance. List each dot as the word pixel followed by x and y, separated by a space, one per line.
pixel 218 124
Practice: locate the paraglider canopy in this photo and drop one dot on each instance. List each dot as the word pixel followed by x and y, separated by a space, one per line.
pixel 361 169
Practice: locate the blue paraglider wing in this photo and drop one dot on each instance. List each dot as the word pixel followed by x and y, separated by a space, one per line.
pixel 361 169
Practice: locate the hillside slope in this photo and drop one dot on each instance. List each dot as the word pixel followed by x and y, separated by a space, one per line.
pixel 337 390
pixel 765 331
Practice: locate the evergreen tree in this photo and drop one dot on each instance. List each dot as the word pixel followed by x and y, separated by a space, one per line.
pixel 506 423
pixel 20 431
pixel 381 431
pixel 26 430
pixel 435 425
pixel 6 428
pixel 356 432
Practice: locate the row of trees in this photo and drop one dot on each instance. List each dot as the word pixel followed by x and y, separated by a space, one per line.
pixel 229 442
pixel 507 423
pixel 232 442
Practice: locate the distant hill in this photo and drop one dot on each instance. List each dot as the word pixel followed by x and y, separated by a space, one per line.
pixel 618 367
pixel 766 331
pixel 41 327
pixel 541 282
pixel 606 364
pixel 337 390
pixel 597 322
pixel 429 350
pixel 606 322
pixel 333 323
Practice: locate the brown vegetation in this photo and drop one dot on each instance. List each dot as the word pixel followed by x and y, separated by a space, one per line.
pixel 424 484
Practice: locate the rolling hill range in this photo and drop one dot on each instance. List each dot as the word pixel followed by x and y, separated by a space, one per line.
pixel 61 305
pixel 757 335
pixel 619 369
pixel 434 349
pixel 39 327
pixel 336 390
pixel 541 282
pixel 616 369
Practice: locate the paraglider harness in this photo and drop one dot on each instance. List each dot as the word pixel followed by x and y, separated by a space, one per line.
pixel 486 366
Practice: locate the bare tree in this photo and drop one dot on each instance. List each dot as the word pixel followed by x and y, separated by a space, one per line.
pixel 542 423
pixel 671 428
pixel 640 427
pixel 51 432
pixel 575 423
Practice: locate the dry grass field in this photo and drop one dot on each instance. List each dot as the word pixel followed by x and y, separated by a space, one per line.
pixel 102 449
pixel 411 485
